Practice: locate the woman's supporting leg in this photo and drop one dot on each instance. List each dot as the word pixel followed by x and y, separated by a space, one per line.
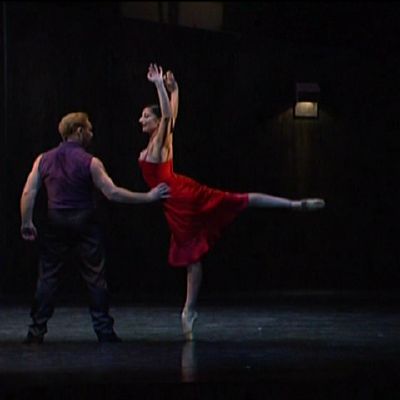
pixel 193 283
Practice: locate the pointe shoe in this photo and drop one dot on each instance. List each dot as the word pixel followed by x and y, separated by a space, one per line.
pixel 108 337
pixel 188 319
pixel 312 204
pixel 33 339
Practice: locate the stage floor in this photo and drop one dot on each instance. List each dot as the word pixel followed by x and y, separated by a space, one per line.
pixel 304 346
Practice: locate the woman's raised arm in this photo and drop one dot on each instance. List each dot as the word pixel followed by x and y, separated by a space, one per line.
pixel 173 89
pixel 155 75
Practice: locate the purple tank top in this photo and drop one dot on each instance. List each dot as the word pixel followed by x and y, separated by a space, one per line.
pixel 65 172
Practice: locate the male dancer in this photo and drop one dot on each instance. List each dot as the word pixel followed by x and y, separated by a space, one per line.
pixel 69 173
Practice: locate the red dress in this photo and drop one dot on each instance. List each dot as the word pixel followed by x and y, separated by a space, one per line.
pixel 196 214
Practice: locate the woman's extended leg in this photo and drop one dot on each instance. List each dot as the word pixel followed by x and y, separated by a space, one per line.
pixel 189 314
pixel 266 200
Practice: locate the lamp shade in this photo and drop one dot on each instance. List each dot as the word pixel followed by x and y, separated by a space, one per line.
pixel 306 100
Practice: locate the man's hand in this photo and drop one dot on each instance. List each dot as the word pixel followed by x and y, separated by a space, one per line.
pixel 161 191
pixel 28 232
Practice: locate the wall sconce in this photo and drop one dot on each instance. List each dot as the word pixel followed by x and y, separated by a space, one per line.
pixel 307 98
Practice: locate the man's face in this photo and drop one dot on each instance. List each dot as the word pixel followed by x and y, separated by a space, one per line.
pixel 87 134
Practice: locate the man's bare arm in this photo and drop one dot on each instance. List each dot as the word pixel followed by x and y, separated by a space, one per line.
pixel 27 202
pixel 114 193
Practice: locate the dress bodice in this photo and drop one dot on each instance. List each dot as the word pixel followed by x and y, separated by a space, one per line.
pixel 155 173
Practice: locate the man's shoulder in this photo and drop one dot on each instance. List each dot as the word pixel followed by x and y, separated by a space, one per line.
pixel 96 162
pixel 50 150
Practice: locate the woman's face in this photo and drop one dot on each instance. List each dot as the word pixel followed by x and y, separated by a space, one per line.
pixel 149 121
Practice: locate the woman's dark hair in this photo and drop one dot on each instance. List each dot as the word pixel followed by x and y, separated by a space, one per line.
pixel 155 109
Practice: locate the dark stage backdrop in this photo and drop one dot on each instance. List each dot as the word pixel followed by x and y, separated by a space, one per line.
pixel 235 131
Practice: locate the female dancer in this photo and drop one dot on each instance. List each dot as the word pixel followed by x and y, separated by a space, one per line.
pixel 196 214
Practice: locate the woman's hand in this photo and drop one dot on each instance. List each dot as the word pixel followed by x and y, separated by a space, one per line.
pixel 170 82
pixel 155 74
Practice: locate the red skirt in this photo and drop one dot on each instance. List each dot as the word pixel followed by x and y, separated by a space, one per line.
pixel 196 214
